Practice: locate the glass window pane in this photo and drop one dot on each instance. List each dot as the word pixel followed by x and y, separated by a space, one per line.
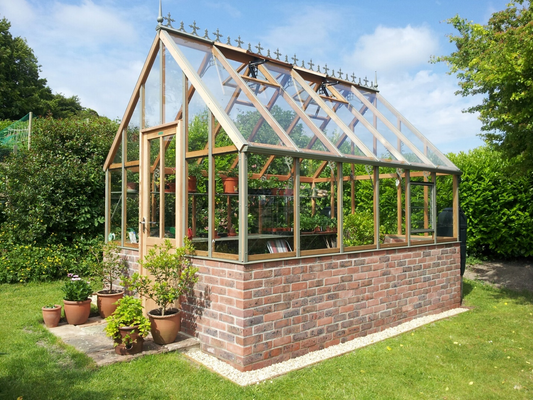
pixel 169 143
pixel 155 187
pixel 152 112
pixel 132 207
pixel 358 227
pixel 133 135
pixel 115 228
pixel 173 88
pixel 318 205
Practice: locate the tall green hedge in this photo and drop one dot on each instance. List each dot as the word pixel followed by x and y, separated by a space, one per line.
pixel 498 204
pixel 54 197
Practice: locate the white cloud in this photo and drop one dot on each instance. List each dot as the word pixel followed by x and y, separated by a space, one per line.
pixel 90 25
pixel 310 31
pixel 394 49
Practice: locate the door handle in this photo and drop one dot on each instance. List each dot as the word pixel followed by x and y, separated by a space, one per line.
pixel 143 223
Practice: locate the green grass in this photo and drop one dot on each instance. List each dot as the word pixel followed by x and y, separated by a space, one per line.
pixel 486 353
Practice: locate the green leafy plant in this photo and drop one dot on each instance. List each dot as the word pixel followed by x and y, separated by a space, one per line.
pixel 172 272
pixel 195 169
pixel 129 313
pixel 359 229
pixel 111 266
pixel 76 289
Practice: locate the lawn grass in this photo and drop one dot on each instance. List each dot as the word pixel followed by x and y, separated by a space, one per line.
pixel 486 353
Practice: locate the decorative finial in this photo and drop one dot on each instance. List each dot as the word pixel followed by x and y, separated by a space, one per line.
pixel 311 64
pixel 259 48
pixel 318 68
pixel 169 21
pixel 182 26
pixel 239 42
pixel 160 16
pixel 194 28
pixel 229 41
pixel 333 73
pixel 268 54
pixel 277 53
pixel 303 64
pixel 250 47
pixel 366 81
pixel 286 59
pixel 218 35
pixel 326 69
pixel 376 84
pixel 353 77
pixel 206 36
pixel 294 59
pixel 340 73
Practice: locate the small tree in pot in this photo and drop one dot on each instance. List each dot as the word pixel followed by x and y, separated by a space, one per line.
pixel 111 267
pixel 172 275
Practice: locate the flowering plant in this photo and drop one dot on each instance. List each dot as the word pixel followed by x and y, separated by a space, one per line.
pixel 76 289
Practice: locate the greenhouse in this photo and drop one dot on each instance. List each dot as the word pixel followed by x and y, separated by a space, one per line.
pixel 276 171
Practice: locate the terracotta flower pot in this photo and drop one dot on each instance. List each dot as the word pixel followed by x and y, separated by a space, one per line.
pixel 165 328
pixel 191 184
pixel 106 301
pixel 231 184
pixel 77 312
pixel 51 316
pixel 136 344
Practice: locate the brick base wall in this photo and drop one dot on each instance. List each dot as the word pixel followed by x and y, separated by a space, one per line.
pixel 259 314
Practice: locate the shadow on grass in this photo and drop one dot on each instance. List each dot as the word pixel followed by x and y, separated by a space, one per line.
pixel 523 297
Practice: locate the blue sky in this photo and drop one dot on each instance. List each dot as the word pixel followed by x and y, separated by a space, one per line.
pixel 96 48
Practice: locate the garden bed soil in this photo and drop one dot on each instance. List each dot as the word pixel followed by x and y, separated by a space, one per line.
pixel 515 275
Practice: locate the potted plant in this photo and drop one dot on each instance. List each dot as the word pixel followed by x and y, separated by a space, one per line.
pixel 51 315
pixel 172 275
pixel 230 180
pixel 127 326
pixel 195 173
pixel 307 224
pixel 110 267
pixel 76 300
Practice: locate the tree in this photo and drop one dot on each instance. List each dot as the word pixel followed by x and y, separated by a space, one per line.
pixel 21 88
pixel 496 60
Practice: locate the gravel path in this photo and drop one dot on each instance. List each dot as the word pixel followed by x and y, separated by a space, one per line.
pixel 249 378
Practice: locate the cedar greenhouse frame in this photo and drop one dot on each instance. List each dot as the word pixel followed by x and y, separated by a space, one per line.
pixel 334 201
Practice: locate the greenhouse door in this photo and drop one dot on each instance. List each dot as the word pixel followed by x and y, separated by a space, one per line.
pixel 160 182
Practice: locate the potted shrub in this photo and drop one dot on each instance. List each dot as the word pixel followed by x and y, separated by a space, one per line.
pixel 172 276
pixel 76 300
pixel 51 315
pixel 111 266
pixel 127 326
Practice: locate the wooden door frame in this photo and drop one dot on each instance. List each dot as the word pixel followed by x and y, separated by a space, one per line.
pixel 148 134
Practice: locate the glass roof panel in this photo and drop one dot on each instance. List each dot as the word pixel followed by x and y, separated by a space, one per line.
pixel 231 98
pixel 272 98
pixel 396 119
pixel 381 127
pixel 314 111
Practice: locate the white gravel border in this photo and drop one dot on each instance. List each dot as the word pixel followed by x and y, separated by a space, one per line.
pixel 249 378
